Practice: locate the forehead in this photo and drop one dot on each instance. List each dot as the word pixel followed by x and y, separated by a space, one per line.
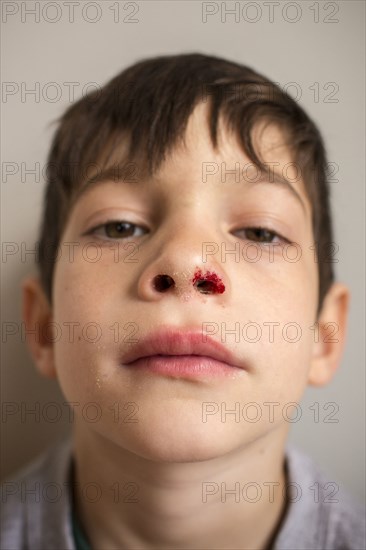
pixel 194 156
pixel 266 136
pixel 196 147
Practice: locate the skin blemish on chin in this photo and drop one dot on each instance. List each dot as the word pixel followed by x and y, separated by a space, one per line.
pixel 208 283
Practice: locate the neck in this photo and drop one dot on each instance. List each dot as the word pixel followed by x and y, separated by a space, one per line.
pixel 232 501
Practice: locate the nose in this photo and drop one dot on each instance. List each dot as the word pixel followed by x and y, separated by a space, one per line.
pixel 177 269
pixel 204 282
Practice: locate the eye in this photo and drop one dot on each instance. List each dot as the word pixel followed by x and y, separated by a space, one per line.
pixel 260 235
pixel 118 230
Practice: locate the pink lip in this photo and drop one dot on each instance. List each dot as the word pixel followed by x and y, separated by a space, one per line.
pixel 182 354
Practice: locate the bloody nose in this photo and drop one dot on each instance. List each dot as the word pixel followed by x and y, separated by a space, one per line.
pixel 208 283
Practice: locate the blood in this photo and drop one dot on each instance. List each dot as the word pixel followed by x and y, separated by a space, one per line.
pixel 209 282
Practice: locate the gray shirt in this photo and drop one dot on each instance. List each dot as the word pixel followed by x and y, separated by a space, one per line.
pixel 36 507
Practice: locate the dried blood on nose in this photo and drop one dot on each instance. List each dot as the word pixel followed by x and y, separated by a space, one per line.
pixel 209 282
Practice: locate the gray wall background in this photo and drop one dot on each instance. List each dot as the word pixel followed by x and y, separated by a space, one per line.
pixel 316 46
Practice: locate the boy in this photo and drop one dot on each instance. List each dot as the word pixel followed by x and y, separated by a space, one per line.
pixel 185 267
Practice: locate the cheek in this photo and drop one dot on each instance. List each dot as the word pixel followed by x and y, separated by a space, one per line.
pixel 84 294
pixel 277 314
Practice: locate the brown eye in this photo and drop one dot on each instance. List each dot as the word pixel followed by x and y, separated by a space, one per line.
pixel 117 230
pixel 260 235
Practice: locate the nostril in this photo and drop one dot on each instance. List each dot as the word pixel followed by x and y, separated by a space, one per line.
pixel 205 287
pixel 208 283
pixel 163 283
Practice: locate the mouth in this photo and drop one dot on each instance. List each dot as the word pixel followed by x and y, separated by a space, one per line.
pixel 178 353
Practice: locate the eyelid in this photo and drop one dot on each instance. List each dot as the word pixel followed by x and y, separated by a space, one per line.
pixel 263 227
pixel 102 225
pixel 116 214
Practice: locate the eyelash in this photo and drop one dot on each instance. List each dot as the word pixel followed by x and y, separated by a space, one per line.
pixel 270 234
pixel 104 226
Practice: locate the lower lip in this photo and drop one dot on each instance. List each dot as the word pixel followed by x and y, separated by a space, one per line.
pixel 184 366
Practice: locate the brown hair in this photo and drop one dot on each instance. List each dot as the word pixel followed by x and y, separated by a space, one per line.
pixel 148 106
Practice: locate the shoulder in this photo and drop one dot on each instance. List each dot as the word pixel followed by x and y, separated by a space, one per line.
pixel 35 503
pixel 320 514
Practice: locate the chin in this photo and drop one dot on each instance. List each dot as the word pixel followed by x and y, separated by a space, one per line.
pixel 170 431
pixel 177 450
pixel 179 440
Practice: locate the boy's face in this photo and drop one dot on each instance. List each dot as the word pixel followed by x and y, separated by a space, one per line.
pixel 271 303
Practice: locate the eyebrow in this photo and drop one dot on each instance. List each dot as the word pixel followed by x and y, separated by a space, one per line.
pixel 283 182
pixel 115 174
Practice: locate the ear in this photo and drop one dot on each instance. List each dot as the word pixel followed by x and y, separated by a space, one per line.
pixel 37 316
pixel 329 336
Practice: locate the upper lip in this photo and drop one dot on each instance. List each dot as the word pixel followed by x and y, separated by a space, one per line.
pixel 180 342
